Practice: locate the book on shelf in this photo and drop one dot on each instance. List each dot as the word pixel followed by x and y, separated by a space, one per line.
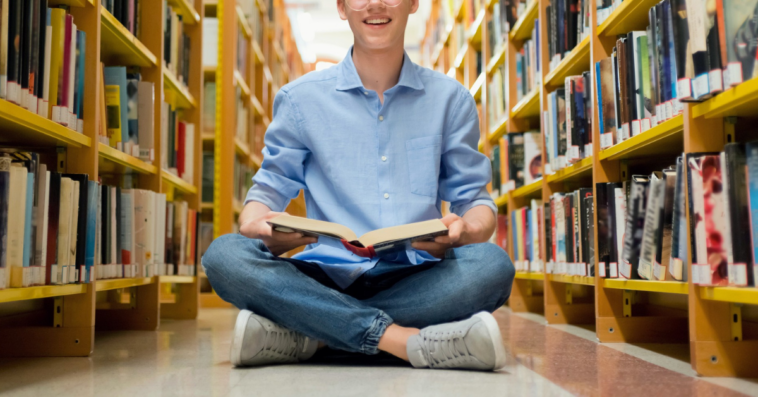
pixel 243 180
pixel 127 12
pixel 567 26
pixel 528 77
pixel 516 161
pixel 210 42
pixel 372 244
pixel 568 130
pixel 567 237
pixel 176 44
pixel 526 224
pixel 42 61
pixel 177 144
pixel 497 92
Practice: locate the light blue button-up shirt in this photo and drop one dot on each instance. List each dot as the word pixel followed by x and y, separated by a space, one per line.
pixel 368 165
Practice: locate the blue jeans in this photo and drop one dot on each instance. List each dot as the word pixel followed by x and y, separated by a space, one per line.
pixel 300 296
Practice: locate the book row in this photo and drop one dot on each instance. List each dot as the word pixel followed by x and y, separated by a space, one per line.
pixel 243 178
pixel 176 45
pixel 568 123
pixel 516 161
pixel 497 94
pixel 127 12
pixel 527 237
pixel 528 77
pixel 570 243
pixel 42 61
pixel 60 228
pixel 568 23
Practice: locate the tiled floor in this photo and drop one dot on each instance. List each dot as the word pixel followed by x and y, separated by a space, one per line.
pixel 190 358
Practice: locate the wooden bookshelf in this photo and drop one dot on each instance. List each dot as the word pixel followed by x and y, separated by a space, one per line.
pixel 627 311
pixel 127 303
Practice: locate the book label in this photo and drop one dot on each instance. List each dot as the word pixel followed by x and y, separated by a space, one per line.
pixel 601 269
pixel 700 86
pixel 733 73
pixel 677 107
pixel 574 153
pixel 13 92
pixel 684 88
pixel 636 127
pixel 606 140
pixel 659 272
pixel 715 80
pixel 668 110
pixel 625 269
pixel 738 274
pixel 587 150
pixel 614 269
pixel 625 131
pixel 645 124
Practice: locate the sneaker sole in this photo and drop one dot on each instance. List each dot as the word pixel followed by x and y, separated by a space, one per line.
pixel 495 337
pixel 239 334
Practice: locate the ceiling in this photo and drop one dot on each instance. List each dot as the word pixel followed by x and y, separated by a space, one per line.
pixel 323 35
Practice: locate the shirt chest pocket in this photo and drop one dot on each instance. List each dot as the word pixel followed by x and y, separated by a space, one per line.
pixel 424 156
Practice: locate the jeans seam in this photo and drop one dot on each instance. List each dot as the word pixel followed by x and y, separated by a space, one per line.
pixel 370 342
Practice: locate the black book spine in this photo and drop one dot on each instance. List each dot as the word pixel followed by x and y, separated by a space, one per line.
pixel 27 25
pixel 5 164
pixel 119 226
pixel 34 49
pixel 631 101
pixel 589 221
pixel 14 41
pixel 635 223
pixel 81 227
pixel 105 242
pixel 613 254
pixel 584 194
pixel 681 36
pixel 569 219
pixel 550 47
pixel 663 75
pixel 739 213
pixel 516 159
pixel 39 86
pixel 576 214
pixel 53 213
pixel 603 228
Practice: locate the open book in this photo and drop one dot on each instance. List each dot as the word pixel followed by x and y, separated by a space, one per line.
pixel 371 244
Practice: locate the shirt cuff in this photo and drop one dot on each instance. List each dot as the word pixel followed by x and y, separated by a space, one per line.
pixel 268 196
pixel 460 210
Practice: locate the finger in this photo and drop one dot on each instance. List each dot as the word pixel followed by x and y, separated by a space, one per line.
pixel 271 215
pixel 454 231
pixel 449 219
pixel 429 246
pixel 443 240
pixel 285 237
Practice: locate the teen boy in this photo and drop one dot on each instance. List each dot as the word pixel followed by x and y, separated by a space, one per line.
pixel 375 141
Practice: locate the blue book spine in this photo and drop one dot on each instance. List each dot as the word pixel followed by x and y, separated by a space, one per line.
pixel 89 247
pixel 28 219
pixel 5 180
pixel 81 46
pixel 752 173
pixel 116 75
pixel 598 90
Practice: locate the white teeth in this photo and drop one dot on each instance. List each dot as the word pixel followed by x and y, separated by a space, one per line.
pixel 377 21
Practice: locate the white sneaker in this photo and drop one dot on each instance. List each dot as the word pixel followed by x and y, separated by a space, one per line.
pixel 475 343
pixel 259 341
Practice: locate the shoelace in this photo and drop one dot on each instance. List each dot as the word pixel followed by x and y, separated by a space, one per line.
pixel 445 348
pixel 280 345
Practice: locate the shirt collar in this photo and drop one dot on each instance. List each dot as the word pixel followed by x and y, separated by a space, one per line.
pixel 348 78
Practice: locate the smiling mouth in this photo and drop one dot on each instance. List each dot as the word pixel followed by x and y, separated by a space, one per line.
pixel 377 21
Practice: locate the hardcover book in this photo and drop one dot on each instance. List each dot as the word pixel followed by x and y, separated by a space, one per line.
pixel 635 223
pixel 740 259
pixel 650 240
pixel 371 244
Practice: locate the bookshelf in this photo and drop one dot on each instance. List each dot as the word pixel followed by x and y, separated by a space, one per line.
pixel 722 342
pixel 267 48
pixel 60 320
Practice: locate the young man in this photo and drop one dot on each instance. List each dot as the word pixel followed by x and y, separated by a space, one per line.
pixel 375 141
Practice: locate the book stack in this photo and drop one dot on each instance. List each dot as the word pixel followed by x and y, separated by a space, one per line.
pixel 176 45
pixel 42 61
pixel 528 65
pixel 568 122
pixel 125 11
pixel 143 235
pixel 642 229
pixel 510 12
pixel 527 237
pixel 497 28
pixel 497 96
pixel 570 220
pixel 178 144
pixel 568 23
pixel 129 114
pixel 47 223
pixel 516 161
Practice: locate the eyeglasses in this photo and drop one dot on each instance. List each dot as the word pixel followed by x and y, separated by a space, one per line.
pixel 360 5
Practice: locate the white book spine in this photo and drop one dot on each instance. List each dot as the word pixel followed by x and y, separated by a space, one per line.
pixel 64 227
pixel 74 226
pixel 16 220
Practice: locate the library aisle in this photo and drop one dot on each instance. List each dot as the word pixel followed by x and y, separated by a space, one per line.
pixel 191 358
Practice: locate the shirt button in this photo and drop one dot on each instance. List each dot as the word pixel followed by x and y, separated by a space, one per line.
pixel 381 118
pixel 384 158
pixel 365 92
pixel 386 195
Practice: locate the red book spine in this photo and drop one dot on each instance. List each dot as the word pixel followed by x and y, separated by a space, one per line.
pixel 181 145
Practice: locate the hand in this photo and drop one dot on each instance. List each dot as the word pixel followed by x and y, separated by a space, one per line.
pixel 457 232
pixel 277 242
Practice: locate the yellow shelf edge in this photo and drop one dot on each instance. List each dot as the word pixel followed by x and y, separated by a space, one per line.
pixel 567 279
pixel 186 10
pixel 118 283
pixel 575 169
pixel 530 276
pixel 441 45
pixel 474 33
pixel 668 287
pixel 239 80
pixel 241 147
pixel 666 129
pixel 186 100
pixel 256 160
pixel 206 206
pixel 208 136
pixel 582 50
pixel 39 292
pixel 237 206
pixel 529 101
pixel 257 107
pixel 500 130
pixel 260 59
pixel 502 200
pixel 144 57
pixel 496 60
pixel 246 29
pixel 123 159
pixel 620 19
pixel 522 29
pixel 722 104
pixel 527 190
pixel 476 88
pixel 176 279
pixel 178 183
pixel 746 295
pixel 28 121
pixel 458 63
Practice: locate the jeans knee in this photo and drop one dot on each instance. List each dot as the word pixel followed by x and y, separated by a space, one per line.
pixel 228 249
pixel 499 266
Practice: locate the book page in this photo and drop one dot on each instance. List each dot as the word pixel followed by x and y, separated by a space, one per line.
pixel 313 226
pixel 403 232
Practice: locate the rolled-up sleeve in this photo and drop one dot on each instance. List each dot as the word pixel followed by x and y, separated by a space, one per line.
pixel 464 171
pixel 282 173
